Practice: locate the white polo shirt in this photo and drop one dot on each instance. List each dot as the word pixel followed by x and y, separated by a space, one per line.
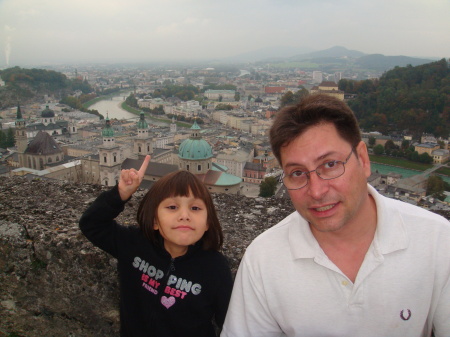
pixel 287 286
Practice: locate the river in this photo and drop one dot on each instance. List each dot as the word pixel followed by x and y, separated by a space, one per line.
pixel 112 108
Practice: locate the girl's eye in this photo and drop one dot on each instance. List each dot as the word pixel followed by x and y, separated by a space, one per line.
pixel 172 207
pixel 196 208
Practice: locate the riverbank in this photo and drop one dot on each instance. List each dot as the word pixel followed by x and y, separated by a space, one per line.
pixel 128 108
pixel 399 162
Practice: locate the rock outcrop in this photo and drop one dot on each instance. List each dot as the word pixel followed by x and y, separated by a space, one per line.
pixel 53 282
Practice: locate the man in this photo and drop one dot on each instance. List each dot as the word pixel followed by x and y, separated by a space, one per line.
pixel 348 262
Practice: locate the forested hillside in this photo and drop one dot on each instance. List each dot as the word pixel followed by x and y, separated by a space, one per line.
pixel 32 84
pixel 406 99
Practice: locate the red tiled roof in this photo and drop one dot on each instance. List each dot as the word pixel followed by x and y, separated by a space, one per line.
pixel 274 90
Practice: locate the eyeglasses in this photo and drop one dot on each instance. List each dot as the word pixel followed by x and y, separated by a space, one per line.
pixel 326 171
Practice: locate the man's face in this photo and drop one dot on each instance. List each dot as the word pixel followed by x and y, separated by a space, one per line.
pixel 328 205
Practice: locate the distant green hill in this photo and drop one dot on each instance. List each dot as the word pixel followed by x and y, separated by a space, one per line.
pixel 339 58
pixel 381 62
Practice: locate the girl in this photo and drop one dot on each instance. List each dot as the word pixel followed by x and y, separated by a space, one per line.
pixel 173 280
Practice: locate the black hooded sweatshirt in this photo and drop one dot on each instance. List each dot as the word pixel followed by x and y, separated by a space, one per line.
pixel 160 296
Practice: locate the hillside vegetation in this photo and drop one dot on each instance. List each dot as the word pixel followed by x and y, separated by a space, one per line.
pixel 26 85
pixel 405 99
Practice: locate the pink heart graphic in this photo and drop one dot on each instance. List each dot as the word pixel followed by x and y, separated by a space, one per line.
pixel 168 301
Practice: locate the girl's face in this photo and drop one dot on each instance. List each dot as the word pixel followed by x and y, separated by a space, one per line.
pixel 181 221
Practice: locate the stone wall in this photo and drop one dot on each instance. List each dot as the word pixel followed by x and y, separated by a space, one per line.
pixel 53 282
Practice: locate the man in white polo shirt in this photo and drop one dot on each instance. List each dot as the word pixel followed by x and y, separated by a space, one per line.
pixel 348 262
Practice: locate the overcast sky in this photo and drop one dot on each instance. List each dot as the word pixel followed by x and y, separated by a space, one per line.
pixel 35 32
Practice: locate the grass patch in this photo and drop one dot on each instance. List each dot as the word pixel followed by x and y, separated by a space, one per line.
pixel 400 162
pixel 445 170
pixel 128 108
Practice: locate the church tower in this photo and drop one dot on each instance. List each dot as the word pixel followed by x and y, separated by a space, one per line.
pixel 21 136
pixel 173 126
pixel 143 143
pixel 109 156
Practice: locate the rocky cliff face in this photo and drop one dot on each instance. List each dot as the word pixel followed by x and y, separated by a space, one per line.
pixel 53 282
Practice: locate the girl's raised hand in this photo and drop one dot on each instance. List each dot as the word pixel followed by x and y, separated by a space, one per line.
pixel 131 179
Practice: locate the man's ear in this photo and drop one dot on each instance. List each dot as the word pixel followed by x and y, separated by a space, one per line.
pixel 363 157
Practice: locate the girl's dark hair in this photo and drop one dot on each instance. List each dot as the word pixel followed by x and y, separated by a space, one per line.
pixel 292 121
pixel 179 184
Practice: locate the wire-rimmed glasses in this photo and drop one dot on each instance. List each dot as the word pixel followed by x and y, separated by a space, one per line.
pixel 326 171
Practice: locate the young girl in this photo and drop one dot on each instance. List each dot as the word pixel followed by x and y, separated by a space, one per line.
pixel 173 280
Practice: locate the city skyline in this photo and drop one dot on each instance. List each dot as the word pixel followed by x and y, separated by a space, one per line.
pixel 47 32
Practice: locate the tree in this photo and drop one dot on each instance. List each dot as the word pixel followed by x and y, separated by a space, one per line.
pixel 378 149
pixel 389 145
pixel 223 106
pixel 287 99
pixel 268 187
pixel 237 96
pixel 132 101
pixel 10 138
pixel 372 141
pixel 405 144
pixel 7 138
pixel 436 187
pixel 425 158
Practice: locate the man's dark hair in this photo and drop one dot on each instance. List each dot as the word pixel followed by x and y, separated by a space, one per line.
pixel 292 121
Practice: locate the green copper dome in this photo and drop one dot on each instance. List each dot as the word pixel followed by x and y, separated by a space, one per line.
pixel 195 147
pixel 108 131
pixel 142 124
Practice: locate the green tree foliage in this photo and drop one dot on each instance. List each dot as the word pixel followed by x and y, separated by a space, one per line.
pixel 378 149
pixel 416 99
pixel 132 101
pixel 405 144
pixel 75 103
pixel 223 106
pixel 7 138
pixel 389 145
pixel 372 141
pixel 24 84
pixel 268 187
pixel 290 98
pixel 425 158
pixel 183 92
pixel 36 78
pixel 287 99
pixel 436 187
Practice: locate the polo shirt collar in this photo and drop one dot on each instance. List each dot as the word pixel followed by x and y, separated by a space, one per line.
pixel 390 235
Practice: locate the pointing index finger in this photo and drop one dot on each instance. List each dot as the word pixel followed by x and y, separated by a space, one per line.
pixel 144 166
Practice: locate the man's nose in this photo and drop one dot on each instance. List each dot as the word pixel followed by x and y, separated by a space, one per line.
pixel 317 187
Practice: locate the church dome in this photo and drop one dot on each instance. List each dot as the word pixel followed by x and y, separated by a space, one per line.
pixel 195 147
pixel 47 113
